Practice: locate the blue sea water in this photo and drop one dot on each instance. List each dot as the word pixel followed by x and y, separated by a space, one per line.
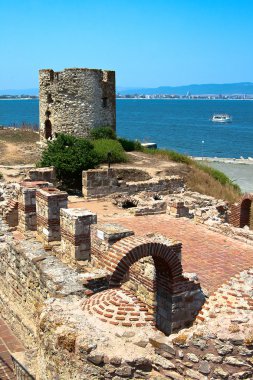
pixel 182 125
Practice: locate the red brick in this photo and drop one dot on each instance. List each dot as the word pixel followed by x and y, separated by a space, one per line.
pixel 108 315
pixel 127 324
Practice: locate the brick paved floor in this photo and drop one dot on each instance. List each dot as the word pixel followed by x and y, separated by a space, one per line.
pixel 214 257
pixel 8 343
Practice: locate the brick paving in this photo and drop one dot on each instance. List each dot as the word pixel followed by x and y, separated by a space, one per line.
pixel 233 298
pixel 120 308
pixel 213 256
pixel 8 343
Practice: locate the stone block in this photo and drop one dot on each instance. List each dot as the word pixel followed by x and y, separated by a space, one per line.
pixel 75 233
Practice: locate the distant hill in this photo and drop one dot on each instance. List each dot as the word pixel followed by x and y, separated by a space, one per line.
pixel 27 91
pixel 194 89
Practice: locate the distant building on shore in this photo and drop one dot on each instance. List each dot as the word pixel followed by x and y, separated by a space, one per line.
pixel 75 101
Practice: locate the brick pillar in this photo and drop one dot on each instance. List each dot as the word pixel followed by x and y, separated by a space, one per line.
pixel 75 233
pixel 49 201
pixel 27 218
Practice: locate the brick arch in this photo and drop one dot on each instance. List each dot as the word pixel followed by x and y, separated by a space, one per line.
pixel 128 251
pixel 240 212
pixel 176 300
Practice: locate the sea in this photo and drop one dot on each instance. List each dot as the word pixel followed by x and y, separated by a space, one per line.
pixel 181 125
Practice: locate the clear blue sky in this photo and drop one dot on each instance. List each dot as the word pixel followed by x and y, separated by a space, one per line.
pixel 148 42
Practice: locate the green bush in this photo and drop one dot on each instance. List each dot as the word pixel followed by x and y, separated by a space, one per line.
pixel 69 155
pixel 104 146
pixel 130 145
pixel 102 133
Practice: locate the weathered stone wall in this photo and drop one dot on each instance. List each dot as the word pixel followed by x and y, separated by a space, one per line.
pixel 29 275
pixel 220 346
pixel 98 183
pixel 43 174
pixel 76 100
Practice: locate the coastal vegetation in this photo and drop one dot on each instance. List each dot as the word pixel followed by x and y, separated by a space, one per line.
pixel 18 146
pixel 102 133
pixel 130 145
pixel 70 155
pixel 108 150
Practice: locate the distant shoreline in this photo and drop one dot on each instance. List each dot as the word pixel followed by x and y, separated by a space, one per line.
pixel 191 99
pixel 236 161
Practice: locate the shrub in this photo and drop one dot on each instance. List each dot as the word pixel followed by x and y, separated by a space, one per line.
pixel 103 146
pixel 69 155
pixel 130 145
pixel 102 133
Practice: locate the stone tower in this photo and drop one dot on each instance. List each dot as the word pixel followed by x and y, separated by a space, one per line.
pixel 76 100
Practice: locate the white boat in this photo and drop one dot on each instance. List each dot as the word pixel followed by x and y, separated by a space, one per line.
pixel 221 118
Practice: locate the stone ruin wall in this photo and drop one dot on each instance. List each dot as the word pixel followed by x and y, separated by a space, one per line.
pixel 38 293
pixel 99 183
pixel 76 100
pixel 29 276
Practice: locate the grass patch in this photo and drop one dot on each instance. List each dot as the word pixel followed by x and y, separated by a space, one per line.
pixel 218 175
pixel 203 182
pixel 104 146
pixel 130 145
pixel 170 155
pixel 102 133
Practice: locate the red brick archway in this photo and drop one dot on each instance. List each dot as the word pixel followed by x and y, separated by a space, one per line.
pixel 240 212
pixel 169 280
pixel 128 251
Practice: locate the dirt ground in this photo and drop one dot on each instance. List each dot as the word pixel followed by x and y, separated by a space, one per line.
pixel 151 164
pixel 18 147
